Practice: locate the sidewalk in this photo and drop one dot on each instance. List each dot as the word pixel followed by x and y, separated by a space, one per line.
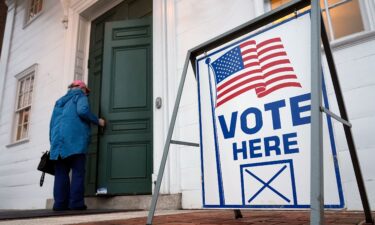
pixel 198 217
pixel 226 217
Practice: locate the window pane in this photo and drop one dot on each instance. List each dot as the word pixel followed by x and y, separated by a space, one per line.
pixel 26 115
pixel 21 87
pixel 30 98
pixel 24 131
pixel 25 127
pixel 21 94
pixel 22 123
pixel 20 97
pixel 35 8
pixel 345 16
pixel 18 136
pixel 26 92
pixel 346 19
pixel 40 5
pixel 19 125
pixel 277 3
pixel 31 90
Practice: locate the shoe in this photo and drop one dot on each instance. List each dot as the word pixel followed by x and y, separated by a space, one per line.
pixel 84 207
pixel 60 209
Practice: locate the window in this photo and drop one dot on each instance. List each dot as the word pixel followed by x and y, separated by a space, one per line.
pixel 34 9
pixel 23 104
pixel 341 17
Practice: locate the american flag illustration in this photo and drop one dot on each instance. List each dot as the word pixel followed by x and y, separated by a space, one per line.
pixel 263 66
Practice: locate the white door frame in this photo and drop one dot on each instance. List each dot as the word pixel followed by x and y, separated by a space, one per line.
pixel 78 15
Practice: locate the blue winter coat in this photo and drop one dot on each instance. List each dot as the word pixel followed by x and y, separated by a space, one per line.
pixel 70 125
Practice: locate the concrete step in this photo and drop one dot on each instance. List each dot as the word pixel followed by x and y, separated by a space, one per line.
pixel 138 202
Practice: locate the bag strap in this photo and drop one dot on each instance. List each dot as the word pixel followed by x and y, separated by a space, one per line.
pixel 42 179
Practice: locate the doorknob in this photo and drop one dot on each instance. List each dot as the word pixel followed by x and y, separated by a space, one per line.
pixel 158 102
pixel 102 129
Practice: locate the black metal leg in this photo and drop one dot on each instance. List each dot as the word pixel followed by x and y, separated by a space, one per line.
pixel 237 214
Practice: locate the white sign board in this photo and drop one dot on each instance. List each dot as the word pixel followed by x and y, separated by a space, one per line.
pixel 254 108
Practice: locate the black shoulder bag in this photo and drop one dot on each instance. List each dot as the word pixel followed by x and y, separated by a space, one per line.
pixel 46 165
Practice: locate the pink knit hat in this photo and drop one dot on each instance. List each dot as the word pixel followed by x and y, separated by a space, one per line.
pixel 81 84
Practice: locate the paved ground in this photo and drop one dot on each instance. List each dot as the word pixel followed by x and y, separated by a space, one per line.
pixel 198 217
pixel 249 218
pixel 64 220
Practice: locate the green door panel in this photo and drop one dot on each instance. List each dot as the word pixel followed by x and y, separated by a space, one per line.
pixel 125 147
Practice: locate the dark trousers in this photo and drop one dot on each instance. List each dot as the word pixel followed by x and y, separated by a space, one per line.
pixel 69 194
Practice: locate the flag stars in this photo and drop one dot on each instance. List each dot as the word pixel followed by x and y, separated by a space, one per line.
pixel 228 64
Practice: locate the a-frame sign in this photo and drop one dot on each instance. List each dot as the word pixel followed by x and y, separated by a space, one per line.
pixel 254 103
pixel 228 60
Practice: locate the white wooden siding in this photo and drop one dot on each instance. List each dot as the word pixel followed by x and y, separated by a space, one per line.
pixel 197 22
pixel 355 68
pixel 40 42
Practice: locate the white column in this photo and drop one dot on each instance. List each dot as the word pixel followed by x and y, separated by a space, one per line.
pixel 173 78
pixel 164 86
pixel 5 52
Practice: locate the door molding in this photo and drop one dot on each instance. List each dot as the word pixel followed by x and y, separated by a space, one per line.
pixel 80 13
pixel 166 74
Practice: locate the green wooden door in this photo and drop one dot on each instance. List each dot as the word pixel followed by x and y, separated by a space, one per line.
pixel 125 146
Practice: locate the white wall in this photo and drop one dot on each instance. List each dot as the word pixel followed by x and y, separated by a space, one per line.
pixel 40 42
pixel 197 22
pixel 355 66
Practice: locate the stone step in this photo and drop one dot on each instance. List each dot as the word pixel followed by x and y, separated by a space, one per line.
pixel 133 202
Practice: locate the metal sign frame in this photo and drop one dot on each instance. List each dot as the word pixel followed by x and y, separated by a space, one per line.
pixel 318 37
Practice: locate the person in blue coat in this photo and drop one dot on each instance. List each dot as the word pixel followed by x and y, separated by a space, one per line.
pixel 69 139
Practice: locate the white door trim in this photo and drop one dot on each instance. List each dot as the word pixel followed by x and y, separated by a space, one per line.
pixel 165 79
pixel 80 15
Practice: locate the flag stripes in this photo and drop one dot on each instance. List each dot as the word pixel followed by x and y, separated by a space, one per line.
pixel 264 67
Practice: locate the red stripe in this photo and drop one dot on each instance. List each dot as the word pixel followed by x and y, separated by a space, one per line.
pixel 251 42
pixel 247 65
pixel 291 76
pixel 236 94
pixel 270 49
pixel 251 79
pixel 266 42
pixel 228 82
pixel 272 56
pixel 283 85
pixel 250 50
pixel 260 89
pixel 274 63
pixel 278 70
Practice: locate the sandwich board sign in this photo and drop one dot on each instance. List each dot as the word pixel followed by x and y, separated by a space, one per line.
pixel 254 116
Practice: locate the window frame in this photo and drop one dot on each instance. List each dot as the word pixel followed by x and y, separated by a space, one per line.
pixel 27 19
pixel 29 72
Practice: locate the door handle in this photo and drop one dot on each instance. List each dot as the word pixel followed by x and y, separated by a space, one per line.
pixel 102 129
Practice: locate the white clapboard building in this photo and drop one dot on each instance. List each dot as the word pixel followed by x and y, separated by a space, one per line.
pixel 131 54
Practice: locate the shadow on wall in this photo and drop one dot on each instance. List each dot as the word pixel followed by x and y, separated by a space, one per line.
pixel 3 16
